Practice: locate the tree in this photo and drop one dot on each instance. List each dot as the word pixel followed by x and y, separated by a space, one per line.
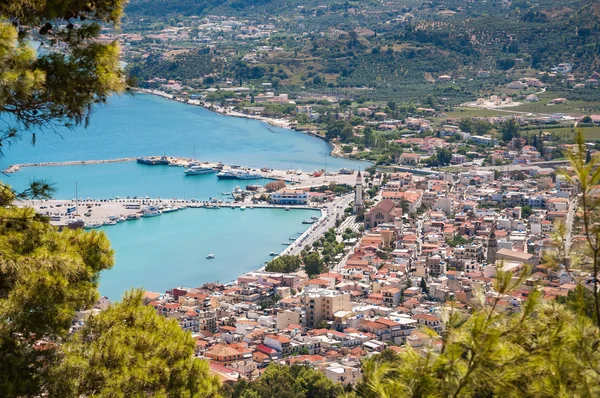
pixel 313 264
pixel 60 85
pixel 526 211
pixel 423 286
pixel 444 156
pixel 274 185
pixel 45 277
pixel 130 350
pixel 509 130
pixel 296 381
pixel 285 263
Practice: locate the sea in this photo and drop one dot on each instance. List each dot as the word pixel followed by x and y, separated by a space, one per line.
pixel 168 251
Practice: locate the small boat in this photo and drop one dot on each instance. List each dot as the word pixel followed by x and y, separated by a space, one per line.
pixel 272 254
pixel 170 209
pixel 121 219
pixel 308 222
pixel 151 211
pixel 293 239
pixel 213 207
pixel 225 193
pixel 286 243
pixel 287 209
pixel 92 225
pixel 132 217
pixel 210 256
pixel 242 207
pixel 314 218
pixel 110 222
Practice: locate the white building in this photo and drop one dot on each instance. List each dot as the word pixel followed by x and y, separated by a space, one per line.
pixel 290 197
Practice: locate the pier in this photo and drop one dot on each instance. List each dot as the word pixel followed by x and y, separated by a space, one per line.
pixel 16 167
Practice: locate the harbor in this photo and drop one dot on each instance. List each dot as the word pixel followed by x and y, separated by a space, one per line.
pixel 294 176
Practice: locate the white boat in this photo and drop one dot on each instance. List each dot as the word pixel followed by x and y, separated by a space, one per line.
pixel 121 219
pixel 170 209
pixel 110 222
pixel 199 170
pixel 225 193
pixel 287 208
pixel 272 254
pixel 210 256
pixel 151 211
pixel 242 207
pixel 213 207
pixel 92 225
pixel 286 243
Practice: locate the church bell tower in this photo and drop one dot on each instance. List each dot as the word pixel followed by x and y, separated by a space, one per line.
pixel 358 194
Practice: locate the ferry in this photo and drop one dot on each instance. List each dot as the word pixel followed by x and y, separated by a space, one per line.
pixel 153 160
pixel 210 256
pixel 199 170
pixel 238 175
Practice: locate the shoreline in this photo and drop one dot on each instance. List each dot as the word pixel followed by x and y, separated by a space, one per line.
pixel 334 149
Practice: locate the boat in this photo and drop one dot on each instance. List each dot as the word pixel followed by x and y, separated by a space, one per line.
pixel 286 243
pixel 242 207
pixel 199 170
pixel 252 187
pixel 151 211
pixel 121 219
pixel 212 207
pixel 153 160
pixel 92 225
pixel 287 208
pixel 170 209
pixel 314 218
pixel 110 222
pixel 272 254
pixel 225 193
pixel 292 239
pixel 210 256
pixel 238 175
pixel 308 222
pixel 132 217
pixel 237 191
pixel 265 169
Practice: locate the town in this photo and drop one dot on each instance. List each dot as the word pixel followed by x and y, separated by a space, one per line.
pixel 403 254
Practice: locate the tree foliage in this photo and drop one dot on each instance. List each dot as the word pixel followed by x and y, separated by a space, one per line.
pixel 285 263
pixel 129 350
pixel 58 85
pixel 45 276
pixel 313 264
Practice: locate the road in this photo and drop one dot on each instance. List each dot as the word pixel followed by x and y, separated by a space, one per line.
pixel 331 212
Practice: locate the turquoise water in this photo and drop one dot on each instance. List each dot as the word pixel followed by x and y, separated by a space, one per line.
pixel 148 125
pixel 163 252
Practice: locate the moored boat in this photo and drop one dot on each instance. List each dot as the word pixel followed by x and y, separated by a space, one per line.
pixel 199 170
pixel 210 256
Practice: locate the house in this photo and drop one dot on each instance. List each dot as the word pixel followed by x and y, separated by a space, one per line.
pixel 410 158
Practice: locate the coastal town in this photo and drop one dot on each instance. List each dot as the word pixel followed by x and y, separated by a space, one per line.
pixel 406 248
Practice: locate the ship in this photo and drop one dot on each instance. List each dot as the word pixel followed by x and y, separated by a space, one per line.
pixel 153 160
pixel 238 175
pixel 199 170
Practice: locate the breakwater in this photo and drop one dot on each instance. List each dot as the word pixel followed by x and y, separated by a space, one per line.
pixel 16 167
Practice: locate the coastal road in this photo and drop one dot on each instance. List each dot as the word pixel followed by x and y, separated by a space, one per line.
pixel 331 212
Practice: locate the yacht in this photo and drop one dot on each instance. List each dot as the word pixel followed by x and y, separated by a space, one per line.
pixel 238 175
pixel 210 256
pixel 199 170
